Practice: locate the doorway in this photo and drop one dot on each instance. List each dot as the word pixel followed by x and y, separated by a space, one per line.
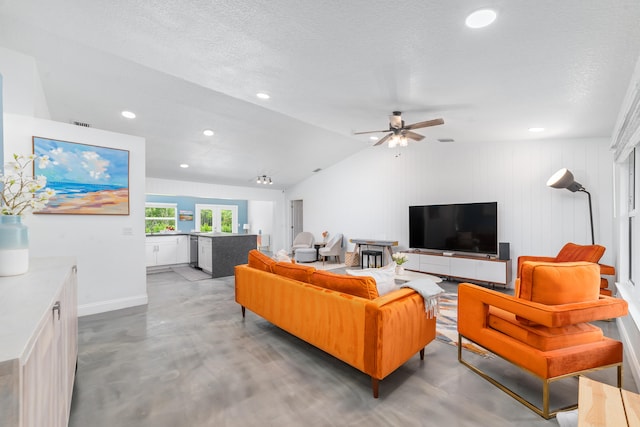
pixel 216 218
pixel 296 220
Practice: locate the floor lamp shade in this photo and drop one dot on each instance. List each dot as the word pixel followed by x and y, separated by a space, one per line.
pixel 564 179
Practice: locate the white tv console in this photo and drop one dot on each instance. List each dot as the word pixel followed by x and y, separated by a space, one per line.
pixel 491 270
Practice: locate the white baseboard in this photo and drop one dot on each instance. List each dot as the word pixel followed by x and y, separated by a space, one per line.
pixel 630 352
pixel 116 304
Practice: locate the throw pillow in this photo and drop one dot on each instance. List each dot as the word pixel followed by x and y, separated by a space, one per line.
pixel 554 283
pixel 384 277
pixel 363 287
pixel 261 261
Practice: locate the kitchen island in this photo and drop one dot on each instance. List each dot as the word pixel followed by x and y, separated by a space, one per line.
pixel 219 253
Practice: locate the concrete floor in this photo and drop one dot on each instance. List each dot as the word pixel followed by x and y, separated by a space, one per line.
pixel 189 359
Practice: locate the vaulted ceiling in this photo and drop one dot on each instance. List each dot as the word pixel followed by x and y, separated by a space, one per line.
pixel 330 68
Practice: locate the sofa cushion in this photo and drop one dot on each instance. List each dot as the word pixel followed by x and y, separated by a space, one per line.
pixel 261 261
pixel 554 283
pixel 572 252
pixel 294 271
pixel 364 287
pixel 385 277
pixel 542 337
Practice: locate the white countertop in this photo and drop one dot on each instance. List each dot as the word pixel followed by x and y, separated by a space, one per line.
pixel 25 302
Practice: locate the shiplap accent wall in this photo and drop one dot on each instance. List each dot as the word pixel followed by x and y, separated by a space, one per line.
pixel 367 195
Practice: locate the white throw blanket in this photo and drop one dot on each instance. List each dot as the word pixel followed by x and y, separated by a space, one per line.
pixel 429 291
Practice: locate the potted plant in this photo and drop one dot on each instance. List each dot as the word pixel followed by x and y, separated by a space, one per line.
pixel 400 258
pixel 20 193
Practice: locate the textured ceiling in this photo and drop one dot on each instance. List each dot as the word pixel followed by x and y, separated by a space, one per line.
pixel 331 68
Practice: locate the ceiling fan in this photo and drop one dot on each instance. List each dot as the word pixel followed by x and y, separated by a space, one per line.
pixel 399 134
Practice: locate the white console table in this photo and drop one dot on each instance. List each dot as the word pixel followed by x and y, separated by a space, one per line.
pixel 466 267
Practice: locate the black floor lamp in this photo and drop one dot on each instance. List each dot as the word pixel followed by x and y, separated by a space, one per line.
pixel 564 179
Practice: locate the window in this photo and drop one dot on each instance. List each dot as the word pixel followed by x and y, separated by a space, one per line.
pixel 159 217
pixel 634 233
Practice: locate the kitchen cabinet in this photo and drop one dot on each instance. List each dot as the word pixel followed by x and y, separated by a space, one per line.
pixel 182 255
pixel 39 344
pixel 166 250
pixel 205 254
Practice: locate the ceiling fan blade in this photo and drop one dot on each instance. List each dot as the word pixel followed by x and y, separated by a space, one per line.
pixel 371 131
pixel 425 124
pixel 383 140
pixel 413 135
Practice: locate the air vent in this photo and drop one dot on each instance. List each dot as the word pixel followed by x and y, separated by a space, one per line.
pixel 317 170
pixel 446 140
pixel 77 123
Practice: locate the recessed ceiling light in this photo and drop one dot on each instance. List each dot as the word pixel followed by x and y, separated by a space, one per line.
pixel 262 95
pixel 208 132
pixel 374 138
pixel 184 165
pixel 481 18
pixel 128 114
pixel 536 129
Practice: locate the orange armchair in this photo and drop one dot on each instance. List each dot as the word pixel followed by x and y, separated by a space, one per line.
pixel 571 253
pixel 544 327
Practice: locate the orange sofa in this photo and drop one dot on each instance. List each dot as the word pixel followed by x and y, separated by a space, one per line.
pixel 341 315
pixel 544 327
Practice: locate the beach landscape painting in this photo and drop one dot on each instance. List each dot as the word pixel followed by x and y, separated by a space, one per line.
pixel 87 179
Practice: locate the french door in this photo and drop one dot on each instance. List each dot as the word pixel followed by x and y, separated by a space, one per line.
pixel 217 218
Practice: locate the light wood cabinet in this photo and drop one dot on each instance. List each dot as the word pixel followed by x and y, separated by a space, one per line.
pixel 466 267
pixel 40 346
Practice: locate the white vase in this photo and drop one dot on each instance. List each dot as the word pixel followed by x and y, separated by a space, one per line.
pixel 14 246
pixel 399 269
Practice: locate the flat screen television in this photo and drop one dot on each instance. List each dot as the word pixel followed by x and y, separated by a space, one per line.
pixel 462 227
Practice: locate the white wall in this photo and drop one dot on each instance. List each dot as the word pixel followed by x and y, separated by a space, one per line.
pixel 261 217
pixel 23 93
pixel 277 226
pixel 368 194
pixel 109 249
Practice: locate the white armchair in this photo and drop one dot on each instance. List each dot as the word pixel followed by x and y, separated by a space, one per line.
pixel 302 240
pixel 332 248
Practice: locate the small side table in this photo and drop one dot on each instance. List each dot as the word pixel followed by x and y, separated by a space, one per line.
pixel 318 246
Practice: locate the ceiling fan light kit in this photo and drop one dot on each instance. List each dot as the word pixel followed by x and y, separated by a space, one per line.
pixel 263 179
pixel 399 134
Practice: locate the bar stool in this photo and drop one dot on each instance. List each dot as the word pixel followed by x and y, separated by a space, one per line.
pixel 371 253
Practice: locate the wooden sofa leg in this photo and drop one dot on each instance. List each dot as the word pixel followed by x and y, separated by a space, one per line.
pixel 243 311
pixel 422 354
pixel 375 383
